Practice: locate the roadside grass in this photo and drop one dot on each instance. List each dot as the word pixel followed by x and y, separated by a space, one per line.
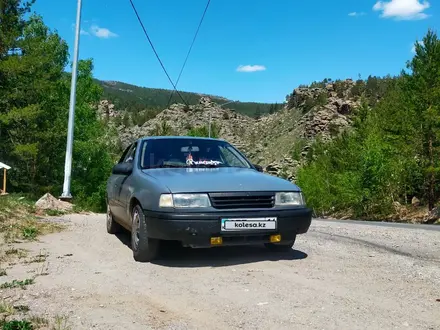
pixel 18 325
pixel 61 323
pixel 6 308
pixel 35 322
pixel 39 322
pixel 18 220
pixel 17 284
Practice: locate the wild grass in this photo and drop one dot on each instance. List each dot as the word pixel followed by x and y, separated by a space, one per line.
pixel 18 220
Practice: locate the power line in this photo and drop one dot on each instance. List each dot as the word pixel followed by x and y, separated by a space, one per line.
pixel 154 50
pixel 190 48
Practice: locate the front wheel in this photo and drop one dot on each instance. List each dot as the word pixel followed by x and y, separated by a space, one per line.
pixel 144 248
pixel 281 247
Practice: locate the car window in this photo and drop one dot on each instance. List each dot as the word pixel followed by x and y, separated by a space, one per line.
pixel 124 154
pixel 187 152
pixel 130 155
pixel 231 156
pixel 143 152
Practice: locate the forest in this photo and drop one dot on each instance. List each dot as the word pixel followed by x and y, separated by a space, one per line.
pixel 392 154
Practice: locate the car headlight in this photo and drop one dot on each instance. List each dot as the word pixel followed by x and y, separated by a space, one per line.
pixel 289 198
pixel 184 200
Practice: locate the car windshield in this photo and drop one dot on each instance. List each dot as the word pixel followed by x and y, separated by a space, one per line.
pixel 187 152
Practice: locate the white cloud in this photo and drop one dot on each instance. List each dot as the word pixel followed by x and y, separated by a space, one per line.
pixel 102 32
pixel 355 14
pixel 413 49
pixel 84 32
pixel 251 68
pixel 402 9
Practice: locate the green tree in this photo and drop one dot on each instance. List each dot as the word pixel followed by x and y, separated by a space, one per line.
pixel 31 101
pixel 203 131
pixel 422 86
pixel 257 112
pixel 34 103
pixel 12 23
pixel 162 129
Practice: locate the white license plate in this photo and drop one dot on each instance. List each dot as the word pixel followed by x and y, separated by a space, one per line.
pixel 249 224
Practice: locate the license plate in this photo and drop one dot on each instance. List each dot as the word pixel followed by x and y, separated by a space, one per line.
pixel 249 224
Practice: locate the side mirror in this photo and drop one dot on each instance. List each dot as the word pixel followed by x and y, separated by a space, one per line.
pixel 259 168
pixel 123 169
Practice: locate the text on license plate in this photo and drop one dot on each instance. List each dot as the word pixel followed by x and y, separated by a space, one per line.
pixel 249 224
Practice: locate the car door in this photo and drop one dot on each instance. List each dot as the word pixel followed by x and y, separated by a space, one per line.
pixel 126 187
pixel 112 184
pixel 119 184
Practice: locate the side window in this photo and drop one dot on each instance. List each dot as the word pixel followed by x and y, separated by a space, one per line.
pixel 143 152
pixel 130 155
pixel 232 158
pixel 124 154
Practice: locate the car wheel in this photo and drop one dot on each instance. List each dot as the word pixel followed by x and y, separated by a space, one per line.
pixel 112 226
pixel 144 248
pixel 281 247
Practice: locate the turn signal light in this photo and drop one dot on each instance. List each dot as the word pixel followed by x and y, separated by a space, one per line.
pixel 275 238
pixel 216 241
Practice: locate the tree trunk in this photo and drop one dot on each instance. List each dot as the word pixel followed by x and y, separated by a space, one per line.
pixel 431 197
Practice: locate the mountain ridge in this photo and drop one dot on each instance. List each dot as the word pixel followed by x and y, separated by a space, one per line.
pixel 133 98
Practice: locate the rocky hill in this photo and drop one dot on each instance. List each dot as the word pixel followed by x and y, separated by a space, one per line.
pixel 133 98
pixel 279 142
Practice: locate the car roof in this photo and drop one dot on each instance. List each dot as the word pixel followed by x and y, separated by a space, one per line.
pixel 178 137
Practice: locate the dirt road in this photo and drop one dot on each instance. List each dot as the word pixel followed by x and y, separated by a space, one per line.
pixel 339 276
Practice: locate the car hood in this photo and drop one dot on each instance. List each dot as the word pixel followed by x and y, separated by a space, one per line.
pixel 230 179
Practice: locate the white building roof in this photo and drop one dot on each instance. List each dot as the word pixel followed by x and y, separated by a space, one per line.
pixel 2 165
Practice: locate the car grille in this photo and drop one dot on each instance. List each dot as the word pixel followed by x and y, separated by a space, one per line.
pixel 242 200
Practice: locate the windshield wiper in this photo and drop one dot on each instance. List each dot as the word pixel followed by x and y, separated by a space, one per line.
pixel 206 166
pixel 167 166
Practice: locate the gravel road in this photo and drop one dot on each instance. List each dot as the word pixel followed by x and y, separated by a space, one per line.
pixel 338 276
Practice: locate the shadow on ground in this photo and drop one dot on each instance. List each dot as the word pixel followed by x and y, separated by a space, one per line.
pixel 177 256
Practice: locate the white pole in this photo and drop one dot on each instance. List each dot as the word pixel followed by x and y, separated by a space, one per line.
pixel 68 163
pixel 210 122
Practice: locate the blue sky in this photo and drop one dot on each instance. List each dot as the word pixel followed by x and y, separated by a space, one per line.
pixel 247 50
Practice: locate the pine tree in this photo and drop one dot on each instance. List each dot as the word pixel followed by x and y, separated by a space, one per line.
pixel 423 95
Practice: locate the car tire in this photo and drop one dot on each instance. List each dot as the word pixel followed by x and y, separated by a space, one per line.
pixel 112 226
pixel 145 249
pixel 280 247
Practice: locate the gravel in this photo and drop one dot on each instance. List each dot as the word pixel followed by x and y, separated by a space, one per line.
pixel 338 276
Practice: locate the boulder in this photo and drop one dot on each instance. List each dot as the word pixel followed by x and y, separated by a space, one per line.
pixel 415 202
pixel 48 202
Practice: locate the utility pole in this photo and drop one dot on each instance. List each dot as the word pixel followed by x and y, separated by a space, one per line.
pixel 209 129
pixel 68 162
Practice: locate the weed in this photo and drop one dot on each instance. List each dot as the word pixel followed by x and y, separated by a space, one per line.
pixel 18 220
pixel 16 284
pixel 37 259
pixel 3 272
pixel 39 321
pixel 22 308
pixel 6 308
pixel 43 270
pixel 61 323
pixel 53 213
pixel 20 253
pixel 30 232
pixel 18 325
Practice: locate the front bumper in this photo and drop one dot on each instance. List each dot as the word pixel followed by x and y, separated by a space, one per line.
pixel 196 229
